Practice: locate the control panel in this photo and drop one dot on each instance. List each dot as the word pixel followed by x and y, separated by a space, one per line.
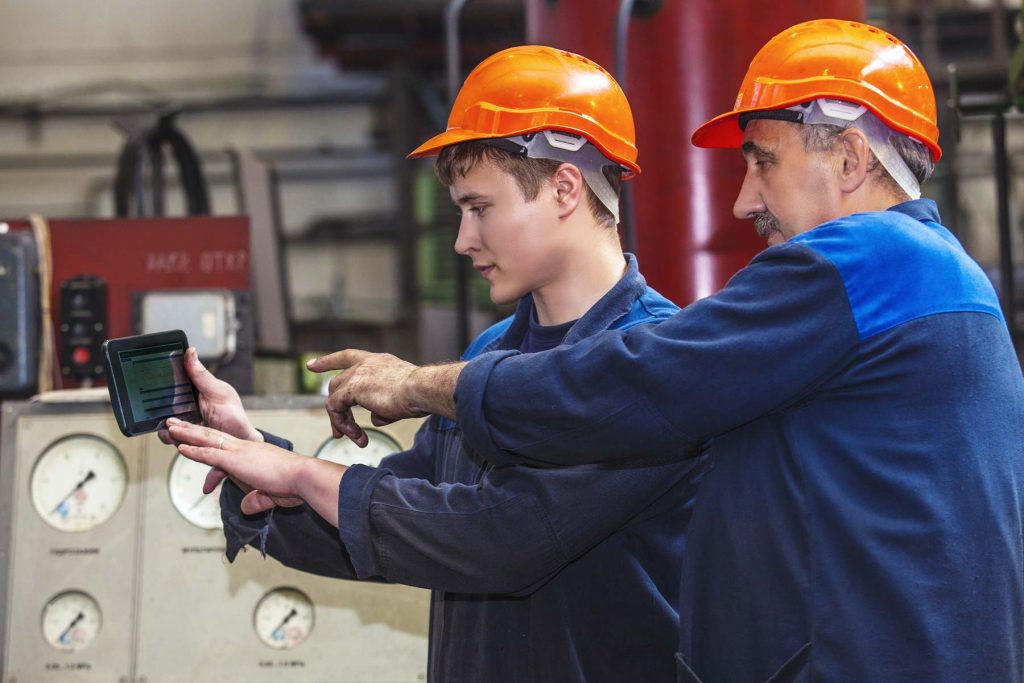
pixel 83 326
pixel 114 567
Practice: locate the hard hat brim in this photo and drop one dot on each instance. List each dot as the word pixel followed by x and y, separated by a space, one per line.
pixel 434 145
pixel 723 131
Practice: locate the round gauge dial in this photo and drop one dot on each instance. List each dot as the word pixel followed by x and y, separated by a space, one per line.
pixel 283 618
pixel 78 483
pixel 185 485
pixel 346 452
pixel 71 621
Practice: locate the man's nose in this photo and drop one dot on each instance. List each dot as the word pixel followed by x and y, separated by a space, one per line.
pixel 467 239
pixel 748 201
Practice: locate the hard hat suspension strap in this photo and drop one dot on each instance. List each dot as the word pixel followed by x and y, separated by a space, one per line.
pixel 569 148
pixel 848 115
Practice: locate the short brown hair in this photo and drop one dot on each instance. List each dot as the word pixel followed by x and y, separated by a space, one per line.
pixel 455 161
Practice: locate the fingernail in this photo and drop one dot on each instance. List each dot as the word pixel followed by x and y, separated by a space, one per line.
pixel 311 361
pixel 173 421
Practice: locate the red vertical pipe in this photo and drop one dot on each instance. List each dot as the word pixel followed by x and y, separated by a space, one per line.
pixel 686 62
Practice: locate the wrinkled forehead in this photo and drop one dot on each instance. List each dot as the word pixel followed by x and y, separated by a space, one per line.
pixel 765 136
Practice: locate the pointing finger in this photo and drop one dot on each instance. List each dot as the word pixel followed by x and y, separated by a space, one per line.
pixel 339 360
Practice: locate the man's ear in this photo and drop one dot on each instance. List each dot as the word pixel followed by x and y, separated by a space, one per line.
pixel 854 159
pixel 569 188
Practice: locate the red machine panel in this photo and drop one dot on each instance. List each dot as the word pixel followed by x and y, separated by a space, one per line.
pixel 685 63
pixel 139 254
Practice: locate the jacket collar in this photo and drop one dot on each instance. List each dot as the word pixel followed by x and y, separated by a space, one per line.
pixel 919 209
pixel 616 303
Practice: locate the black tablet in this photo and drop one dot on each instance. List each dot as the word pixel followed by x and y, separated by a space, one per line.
pixel 147 381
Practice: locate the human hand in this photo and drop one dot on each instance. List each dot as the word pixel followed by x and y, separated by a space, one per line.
pixel 219 403
pixel 375 381
pixel 269 475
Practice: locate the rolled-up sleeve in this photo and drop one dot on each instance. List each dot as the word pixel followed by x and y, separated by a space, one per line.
pixel 298 536
pixel 507 534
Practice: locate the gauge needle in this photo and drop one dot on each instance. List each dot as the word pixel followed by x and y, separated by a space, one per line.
pixel 286 620
pixel 81 615
pixel 88 477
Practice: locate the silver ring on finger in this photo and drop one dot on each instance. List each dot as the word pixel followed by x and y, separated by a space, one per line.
pixel 220 443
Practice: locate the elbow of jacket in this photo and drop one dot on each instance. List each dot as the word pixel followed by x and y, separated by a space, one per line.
pixel 517 575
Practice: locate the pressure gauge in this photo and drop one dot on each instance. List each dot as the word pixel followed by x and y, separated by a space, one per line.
pixel 78 483
pixel 185 485
pixel 346 452
pixel 283 618
pixel 71 621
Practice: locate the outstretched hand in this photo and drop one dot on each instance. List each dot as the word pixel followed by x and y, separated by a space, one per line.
pixel 269 475
pixel 378 382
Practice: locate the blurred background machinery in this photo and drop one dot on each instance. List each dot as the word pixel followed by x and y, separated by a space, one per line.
pixel 237 169
pixel 299 114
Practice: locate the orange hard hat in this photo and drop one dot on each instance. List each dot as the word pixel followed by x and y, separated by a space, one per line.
pixel 531 88
pixel 832 58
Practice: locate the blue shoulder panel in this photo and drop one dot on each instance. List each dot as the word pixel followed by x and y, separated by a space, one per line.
pixel 491 334
pixel 897 269
pixel 651 307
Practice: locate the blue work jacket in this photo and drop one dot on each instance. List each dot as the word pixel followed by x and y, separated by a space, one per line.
pixel 862 521
pixel 538 574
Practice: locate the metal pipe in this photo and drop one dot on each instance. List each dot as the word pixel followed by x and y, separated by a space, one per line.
pixel 453 58
pixel 1002 176
pixel 40 109
pixel 453 64
pixel 621 75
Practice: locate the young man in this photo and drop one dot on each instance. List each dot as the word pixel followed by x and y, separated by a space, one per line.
pixel 537 574
pixel 863 521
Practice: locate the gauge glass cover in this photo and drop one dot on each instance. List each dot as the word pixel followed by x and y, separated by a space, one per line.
pixel 185 487
pixel 71 621
pixel 283 618
pixel 344 451
pixel 78 483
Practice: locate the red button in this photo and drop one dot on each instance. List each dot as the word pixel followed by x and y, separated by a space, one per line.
pixel 80 355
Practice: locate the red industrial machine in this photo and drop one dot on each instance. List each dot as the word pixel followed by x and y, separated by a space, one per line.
pixel 686 59
pixel 102 269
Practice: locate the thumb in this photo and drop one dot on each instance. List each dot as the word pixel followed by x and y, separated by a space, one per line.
pixel 379 421
pixel 255 502
pixel 197 372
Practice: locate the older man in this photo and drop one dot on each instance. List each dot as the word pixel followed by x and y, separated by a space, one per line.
pixel 856 380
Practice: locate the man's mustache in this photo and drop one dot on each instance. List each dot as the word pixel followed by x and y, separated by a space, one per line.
pixel 765 223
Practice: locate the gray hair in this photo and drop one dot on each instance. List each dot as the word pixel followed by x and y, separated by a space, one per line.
pixel 821 137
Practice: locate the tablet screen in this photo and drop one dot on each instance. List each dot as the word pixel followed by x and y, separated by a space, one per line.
pixel 156 382
pixel 147 381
